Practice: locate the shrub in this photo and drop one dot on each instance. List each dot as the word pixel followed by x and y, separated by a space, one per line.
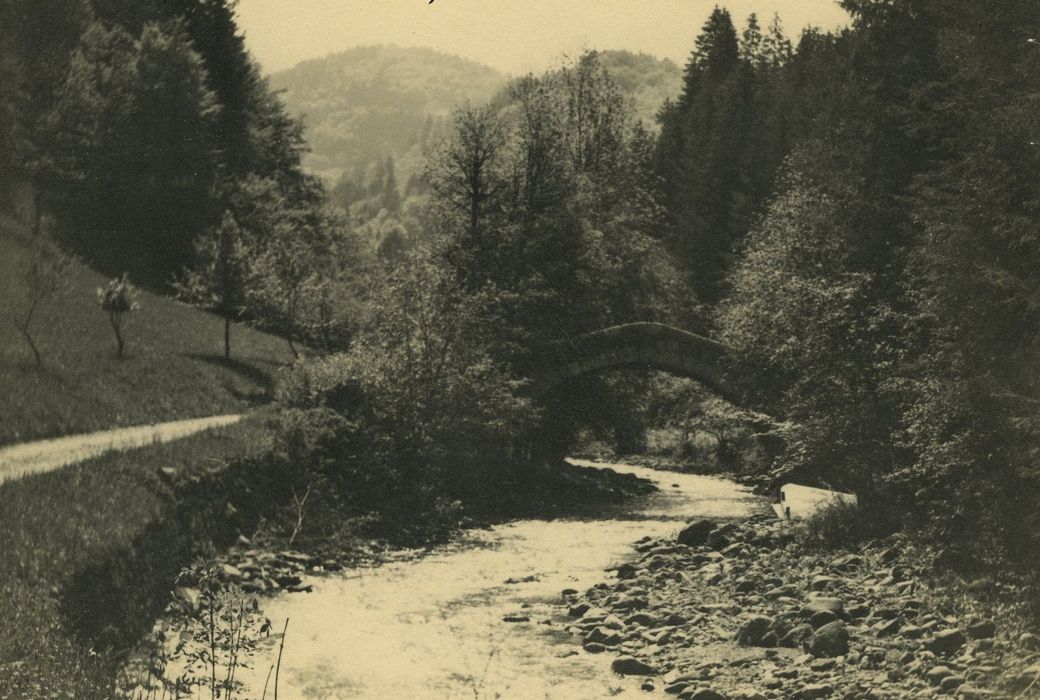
pixel 843 525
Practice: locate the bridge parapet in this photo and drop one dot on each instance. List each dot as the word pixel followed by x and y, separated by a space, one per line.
pixel 636 345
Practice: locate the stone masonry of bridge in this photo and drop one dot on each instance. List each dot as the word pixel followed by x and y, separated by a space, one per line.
pixel 634 345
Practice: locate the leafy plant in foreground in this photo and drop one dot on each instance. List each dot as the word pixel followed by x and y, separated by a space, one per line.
pixel 218 631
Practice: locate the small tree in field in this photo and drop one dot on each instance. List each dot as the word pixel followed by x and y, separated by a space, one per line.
pixel 218 282
pixel 44 277
pixel 117 299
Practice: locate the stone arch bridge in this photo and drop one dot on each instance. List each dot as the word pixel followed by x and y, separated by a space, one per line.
pixel 634 345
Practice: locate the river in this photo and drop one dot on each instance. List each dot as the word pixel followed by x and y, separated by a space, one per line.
pixel 433 627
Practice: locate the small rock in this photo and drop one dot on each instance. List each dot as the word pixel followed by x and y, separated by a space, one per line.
pixel 706 694
pixel 951 683
pixel 936 674
pixel 821 665
pixel 982 630
pixel 593 647
pixel 785 591
pixel 946 642
pixel 640 620
pixel 889 628
pixel 821 618
pixel 603 635
pixel 747 694
pixel 648 686
pixel 626 571
pixel 746 585
pixel 847 563
pixel 516 618
pixel 230 572
pixel 722 536
pixel 820 583
pixel 858 611
pixel 631 666
pixel 810 692
pixel 734 550
pixel 830 640
pixel 1028 640
pixel 751 632
pixel 696 533
pixel 797 636
pixel 815 605
pixel 911 632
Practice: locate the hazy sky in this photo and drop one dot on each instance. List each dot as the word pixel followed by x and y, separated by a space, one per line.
pixel 514 36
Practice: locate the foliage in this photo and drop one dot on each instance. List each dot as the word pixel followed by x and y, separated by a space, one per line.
pixel 885 302
pixel 847 526
pixel 118 298
pixel 719 147
pixel 545 206
pixel 132 166
pixel 455 397
pixel 805 324
pixel 219 631
pixel 219 281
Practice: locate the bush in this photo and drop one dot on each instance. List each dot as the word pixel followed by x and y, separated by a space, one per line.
pixel 842 525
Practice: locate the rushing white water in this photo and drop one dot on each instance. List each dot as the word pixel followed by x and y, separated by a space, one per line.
pixel 433 627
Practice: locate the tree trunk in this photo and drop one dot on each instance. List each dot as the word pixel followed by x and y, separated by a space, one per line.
pixel 116 322
pixel 291 323
pixel 227 337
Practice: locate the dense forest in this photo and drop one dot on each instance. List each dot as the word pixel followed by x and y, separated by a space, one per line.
pixel 853 214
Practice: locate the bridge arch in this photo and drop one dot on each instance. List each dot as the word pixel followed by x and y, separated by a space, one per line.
pixel 636 345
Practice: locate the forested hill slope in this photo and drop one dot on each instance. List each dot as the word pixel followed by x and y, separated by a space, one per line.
pixel 370 102
pixel 646 80
pixel 363 105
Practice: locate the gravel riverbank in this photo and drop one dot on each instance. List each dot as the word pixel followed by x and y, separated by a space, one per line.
pixel 740 610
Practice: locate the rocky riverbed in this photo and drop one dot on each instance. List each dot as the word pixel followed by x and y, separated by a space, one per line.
pixel 739 610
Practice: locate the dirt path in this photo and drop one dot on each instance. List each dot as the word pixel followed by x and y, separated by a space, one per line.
pixel 45 455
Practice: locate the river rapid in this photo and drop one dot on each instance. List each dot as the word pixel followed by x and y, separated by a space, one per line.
pixel 435 626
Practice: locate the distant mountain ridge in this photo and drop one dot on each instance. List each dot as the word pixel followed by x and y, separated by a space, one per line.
pixel 370 102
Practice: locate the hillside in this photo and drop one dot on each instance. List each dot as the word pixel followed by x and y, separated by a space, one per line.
pixel 370 102
pixel 365 104
pixel 647 80
pixel 174 366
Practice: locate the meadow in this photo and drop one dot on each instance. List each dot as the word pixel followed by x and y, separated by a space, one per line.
pixel 174 365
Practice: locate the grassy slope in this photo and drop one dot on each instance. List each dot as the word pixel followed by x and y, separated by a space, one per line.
pixel 58 524
pixel 174 368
